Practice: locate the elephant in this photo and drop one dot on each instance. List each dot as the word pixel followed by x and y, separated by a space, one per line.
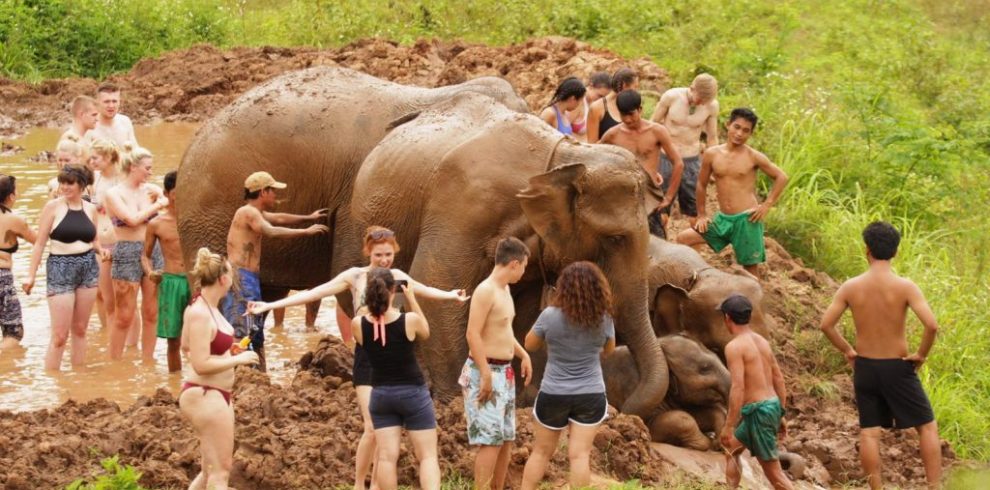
pixel 698 394
pixel 685 292
pixel 310 129
pixel 463 174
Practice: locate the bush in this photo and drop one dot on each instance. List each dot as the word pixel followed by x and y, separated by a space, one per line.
pixel 116 477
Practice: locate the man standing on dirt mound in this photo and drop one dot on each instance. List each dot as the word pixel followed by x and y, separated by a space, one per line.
pixel 888 391
pixel 251 222
pixel 687 112
pixel 112 125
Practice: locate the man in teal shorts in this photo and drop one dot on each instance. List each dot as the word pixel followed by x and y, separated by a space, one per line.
pixel 756 399
pixel 739 221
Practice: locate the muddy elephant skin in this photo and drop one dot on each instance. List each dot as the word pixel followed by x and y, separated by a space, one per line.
pixel 697 397
pixel 468 172
pixel 310 129
pixel 685 291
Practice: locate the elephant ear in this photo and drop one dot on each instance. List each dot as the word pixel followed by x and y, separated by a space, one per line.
pixel 667 309
pixel 549 200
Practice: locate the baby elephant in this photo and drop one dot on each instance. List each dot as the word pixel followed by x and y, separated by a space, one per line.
pixel 696 400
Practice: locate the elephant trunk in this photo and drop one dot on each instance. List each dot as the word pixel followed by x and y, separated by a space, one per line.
pixel 633 321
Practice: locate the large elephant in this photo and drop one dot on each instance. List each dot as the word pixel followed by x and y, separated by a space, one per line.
pixel 685 292
pixel 464 174
pixel 310 129
pixel 698 394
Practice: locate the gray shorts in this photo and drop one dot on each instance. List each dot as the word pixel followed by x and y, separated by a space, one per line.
pixel 687 190
pixel 10 307
pixel 66 273
pixel 126 265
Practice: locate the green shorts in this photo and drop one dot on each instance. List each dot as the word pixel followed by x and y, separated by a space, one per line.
pixel 173 297
pixel 758 428
pixel 745 236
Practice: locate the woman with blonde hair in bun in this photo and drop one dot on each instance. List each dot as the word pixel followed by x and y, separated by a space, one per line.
pixel 206 398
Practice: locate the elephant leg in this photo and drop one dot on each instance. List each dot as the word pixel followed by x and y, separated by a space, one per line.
pixel 710 419
pixel 677 427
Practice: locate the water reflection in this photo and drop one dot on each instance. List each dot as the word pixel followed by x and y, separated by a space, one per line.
pixel 23 383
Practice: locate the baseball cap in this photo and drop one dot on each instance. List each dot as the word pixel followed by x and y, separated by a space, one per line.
pixel 737 307
pixel 260 180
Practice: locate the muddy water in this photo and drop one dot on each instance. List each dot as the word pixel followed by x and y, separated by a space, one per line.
pixel 24 385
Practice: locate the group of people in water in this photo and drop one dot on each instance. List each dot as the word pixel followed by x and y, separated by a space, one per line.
pixel 112 236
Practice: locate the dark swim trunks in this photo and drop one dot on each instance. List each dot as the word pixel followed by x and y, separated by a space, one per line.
pixel 10 307
pixel 688 188
pixel 889 394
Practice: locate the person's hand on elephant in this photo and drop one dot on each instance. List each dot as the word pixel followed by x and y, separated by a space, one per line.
pixel 319 214
pixel 701 225
pixel 758 213
pixel 317 229
pixel 256 308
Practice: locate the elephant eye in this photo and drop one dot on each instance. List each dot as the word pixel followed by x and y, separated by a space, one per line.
pixel 616 239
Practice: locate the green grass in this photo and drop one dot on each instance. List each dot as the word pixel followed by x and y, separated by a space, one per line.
pixel 877 110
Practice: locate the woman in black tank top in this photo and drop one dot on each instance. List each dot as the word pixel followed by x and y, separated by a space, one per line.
pixel 399 396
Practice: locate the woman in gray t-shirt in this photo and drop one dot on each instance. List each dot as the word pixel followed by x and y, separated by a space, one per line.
pixel 576 329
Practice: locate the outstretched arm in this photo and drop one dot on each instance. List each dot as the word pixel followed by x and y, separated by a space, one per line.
pixel 283 219
pixel 337 285
pixel 424 291
pixel 831 318
pixel 918 304
pixel 779 182
pixel 258 224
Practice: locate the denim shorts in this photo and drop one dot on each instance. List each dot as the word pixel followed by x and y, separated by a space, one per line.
pixel 408 406
pixel 66 273
pixel 557 411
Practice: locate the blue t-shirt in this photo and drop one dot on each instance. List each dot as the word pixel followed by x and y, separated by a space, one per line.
pixel 574 366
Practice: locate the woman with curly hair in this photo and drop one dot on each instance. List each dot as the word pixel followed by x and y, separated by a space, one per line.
pixel 576 329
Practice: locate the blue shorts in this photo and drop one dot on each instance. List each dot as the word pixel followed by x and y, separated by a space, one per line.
pixel 66 273
pixel 408 406
pixel 234 305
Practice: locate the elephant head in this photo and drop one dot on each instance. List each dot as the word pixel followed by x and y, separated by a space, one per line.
pixel 697 375
pixel 685 292
pixel 591 205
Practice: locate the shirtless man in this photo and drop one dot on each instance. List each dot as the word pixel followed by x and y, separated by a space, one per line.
pixel 112 125
pixel 251 222
pixel 488 380
pixel 645 139
pixel 173 287
pixel 84 118
pixel 757 397
pixel 687 112
pixel 739 220
pixel 888 391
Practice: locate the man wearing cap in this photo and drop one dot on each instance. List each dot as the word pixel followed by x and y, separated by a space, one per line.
pixel 756 400
pixel 251 222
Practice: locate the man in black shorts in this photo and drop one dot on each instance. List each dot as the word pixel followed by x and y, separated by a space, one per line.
pixel 888 391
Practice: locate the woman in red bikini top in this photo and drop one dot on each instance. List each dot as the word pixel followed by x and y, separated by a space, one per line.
pixel 206 395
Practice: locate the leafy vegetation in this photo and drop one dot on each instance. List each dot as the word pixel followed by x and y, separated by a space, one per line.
pixel 116 477
pixel 877 109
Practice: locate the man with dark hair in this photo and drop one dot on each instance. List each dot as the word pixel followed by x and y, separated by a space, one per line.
pixel 888 391
pixel 251 222
pixel 645 139
pixel 173 288
pixel 756 399
pixel 739 220
pixel 112 125
pixel 488 380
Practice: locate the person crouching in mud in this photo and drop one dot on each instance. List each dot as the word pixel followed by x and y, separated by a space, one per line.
pixel 251 222
pixel 206 398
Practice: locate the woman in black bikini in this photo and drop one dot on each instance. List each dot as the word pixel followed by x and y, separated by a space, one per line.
pixel 205 398
pixel 72 269
pixel 12 228
pixel 604 114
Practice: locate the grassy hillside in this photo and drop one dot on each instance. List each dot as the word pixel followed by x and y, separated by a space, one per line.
pixel 877 110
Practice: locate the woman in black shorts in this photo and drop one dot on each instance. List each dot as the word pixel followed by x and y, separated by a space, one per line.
pixel 576 329
pixel 72 271
pixel 399 396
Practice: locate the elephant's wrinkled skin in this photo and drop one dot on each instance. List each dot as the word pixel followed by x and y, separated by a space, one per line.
pixel 685 292
pixel 468 172
pixel 698 394
pixel 310 129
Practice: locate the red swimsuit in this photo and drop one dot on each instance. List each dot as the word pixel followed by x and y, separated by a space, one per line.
pixel 221 343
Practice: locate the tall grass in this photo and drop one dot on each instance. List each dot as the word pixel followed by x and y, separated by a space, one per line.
pixel 877 109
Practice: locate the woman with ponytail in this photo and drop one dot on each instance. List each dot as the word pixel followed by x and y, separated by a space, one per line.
pixel 71 269
pixel 399 396
pixel 12 228
pixel 206 398
pixel 567 97
pixel 380 246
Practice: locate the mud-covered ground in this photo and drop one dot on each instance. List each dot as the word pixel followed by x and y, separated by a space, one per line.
pixel 303 435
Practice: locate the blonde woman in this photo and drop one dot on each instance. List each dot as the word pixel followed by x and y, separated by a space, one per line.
pixel 205 399
pixel 104 160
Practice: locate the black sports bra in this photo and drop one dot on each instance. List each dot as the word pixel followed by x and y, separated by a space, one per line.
pixel 75 227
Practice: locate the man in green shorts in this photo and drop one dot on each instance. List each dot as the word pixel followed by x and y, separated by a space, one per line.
pixel 739 221
pixel 173 287
pixel 756 399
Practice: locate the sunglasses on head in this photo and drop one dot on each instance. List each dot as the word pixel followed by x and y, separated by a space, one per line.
pixel 382 234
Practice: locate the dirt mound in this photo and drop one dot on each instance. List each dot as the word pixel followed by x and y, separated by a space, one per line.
pixel 331 358
pixel 195 83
